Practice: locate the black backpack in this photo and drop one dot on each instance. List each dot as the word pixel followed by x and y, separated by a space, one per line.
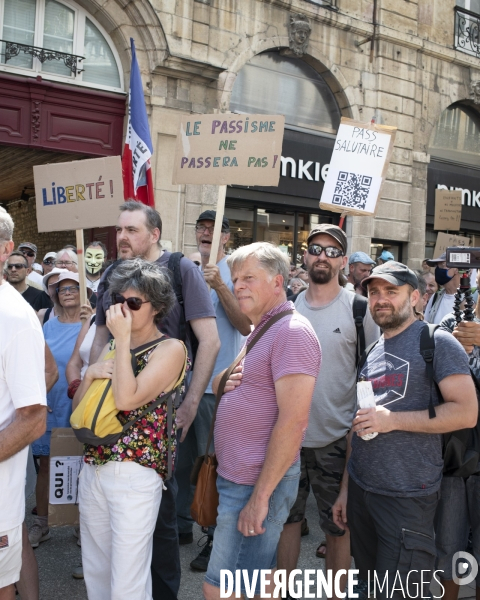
pixel 185 331
pixel 461 449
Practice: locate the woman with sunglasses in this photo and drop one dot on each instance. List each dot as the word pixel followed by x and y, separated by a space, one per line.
pixel 121 485
pixel 60 334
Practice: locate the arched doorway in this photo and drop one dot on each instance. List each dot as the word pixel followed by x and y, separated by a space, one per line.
pixel 455 165
pixel 275 83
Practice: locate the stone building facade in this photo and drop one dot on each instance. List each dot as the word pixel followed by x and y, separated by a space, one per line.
pixel 400 62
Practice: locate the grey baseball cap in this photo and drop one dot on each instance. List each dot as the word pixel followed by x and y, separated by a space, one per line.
pixel 333 230
pixel 393 272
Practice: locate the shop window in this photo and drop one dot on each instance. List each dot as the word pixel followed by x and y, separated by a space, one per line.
pixel 274 84
pixel 49 37
pixel 288 230
pixel 378 246
pixel 456 137
pixel 467 26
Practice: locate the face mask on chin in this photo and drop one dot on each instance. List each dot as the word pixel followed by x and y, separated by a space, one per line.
pixel 441 276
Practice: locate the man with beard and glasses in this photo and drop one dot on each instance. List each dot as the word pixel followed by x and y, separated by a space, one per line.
pixel 329 308
pixel 389 496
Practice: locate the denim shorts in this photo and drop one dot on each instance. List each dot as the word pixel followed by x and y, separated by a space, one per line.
pixel 232 550
pixel 458 511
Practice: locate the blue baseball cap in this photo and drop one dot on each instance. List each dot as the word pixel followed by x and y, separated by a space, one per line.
pixel 360 257
pixel 386 255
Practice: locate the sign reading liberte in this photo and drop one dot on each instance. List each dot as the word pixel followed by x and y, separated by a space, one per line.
pixel 79 194
pixel 224 149
pixel 358 167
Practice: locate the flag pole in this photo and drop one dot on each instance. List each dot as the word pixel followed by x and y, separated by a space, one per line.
pixel 81 266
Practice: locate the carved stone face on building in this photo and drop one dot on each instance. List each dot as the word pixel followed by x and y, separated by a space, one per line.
pixel 475 91
pixel 94 258
pixel 299 34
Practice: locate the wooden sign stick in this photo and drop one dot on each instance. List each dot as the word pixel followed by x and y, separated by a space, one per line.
pixel 81 266
pixel 217 232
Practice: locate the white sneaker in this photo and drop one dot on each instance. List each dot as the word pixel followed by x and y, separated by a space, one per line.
pixel 36 535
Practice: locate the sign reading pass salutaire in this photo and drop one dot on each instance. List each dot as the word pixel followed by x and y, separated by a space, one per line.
pixel 358 167
pixel 227 149
pixel 78 194
pixel 448 210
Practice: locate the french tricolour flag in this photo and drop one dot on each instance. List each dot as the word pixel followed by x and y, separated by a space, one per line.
pixel 138 149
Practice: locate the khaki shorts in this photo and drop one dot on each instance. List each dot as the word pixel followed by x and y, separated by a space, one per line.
pixel 321 470
pixel 10 556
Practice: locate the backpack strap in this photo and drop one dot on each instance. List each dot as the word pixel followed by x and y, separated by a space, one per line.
pixel 427 350
pixel 176 280
pixel 46 314
pixel 360 305
pixel 363 358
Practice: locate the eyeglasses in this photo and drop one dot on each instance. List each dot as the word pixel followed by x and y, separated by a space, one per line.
pixel 330 251
pixel 204 228
pixel 132 303
pixel 27 253
pixel 64 263
pixel 71 289
pixel 16 267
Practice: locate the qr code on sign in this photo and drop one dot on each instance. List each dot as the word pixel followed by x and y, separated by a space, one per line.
pixel 352 190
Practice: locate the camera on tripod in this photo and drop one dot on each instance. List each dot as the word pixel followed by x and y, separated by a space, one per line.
pixel 463 258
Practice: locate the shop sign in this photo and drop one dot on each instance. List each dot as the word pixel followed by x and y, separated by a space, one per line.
pixel 79 194
pixel 452 177
pixel 358 167
pixel 224 149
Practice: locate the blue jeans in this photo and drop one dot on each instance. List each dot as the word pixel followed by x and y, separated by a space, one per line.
pixel 194 445
pixel 231 549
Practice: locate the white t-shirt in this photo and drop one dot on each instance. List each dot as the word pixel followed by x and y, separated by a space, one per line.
pixel 445 307
pixel 22 383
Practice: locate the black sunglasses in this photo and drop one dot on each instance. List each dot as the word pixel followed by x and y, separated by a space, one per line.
pixel 27 253
pixel 330 251
pixel 132 303
pixel 16 267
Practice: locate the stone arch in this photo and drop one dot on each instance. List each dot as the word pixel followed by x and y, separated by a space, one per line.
pixel 331 72
pixel 123 19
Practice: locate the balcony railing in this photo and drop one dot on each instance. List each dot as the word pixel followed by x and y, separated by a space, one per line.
pixel 71 61
pixel 467 31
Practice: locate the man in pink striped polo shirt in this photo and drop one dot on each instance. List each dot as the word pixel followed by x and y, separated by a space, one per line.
pixel 261 423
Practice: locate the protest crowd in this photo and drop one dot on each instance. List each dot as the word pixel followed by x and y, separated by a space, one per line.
pixel 326 377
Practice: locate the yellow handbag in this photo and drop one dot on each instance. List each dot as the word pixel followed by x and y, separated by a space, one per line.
pixel 95 420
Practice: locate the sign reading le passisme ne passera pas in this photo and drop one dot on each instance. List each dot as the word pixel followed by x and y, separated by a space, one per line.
pixel 224 149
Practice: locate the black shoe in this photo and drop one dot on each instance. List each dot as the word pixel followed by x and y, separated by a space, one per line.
pixel 185 538
pixel 201 562
pixel 305 530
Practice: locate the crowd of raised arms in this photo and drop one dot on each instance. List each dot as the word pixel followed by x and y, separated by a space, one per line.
pixel 344 376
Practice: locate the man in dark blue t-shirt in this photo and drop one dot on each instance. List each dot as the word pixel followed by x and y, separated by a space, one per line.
pixel 391 490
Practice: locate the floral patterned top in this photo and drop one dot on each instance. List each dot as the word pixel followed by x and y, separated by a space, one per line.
pixel 146 442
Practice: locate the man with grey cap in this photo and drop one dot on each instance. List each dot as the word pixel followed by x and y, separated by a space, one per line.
pixel 232 325
pixel 359 266
pixel 441 303
pixel 330 309
pixel 29 251
pixel 390 493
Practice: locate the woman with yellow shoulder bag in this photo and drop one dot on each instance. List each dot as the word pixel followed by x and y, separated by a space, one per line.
pixel 121 483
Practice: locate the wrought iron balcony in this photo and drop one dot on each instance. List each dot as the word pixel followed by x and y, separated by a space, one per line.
pixel 467 31
pixel 71 61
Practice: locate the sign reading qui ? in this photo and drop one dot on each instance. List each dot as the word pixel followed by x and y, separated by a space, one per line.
pixel 229 149
pixel 79 194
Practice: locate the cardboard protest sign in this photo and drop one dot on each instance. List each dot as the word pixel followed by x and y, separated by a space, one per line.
pixel 79 194
pixel 224 149
pixel 64 444
pixel 358 167
pixel 448 210
pixel 445 240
